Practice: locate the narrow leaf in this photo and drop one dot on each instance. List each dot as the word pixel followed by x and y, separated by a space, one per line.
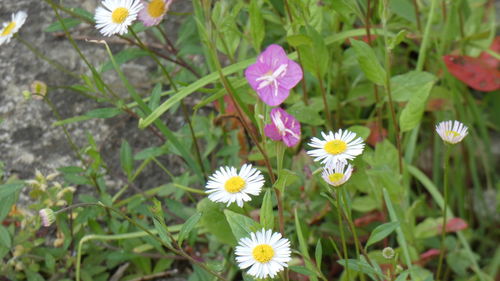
pixel 126 158
pixel 188 226
pixel 381 231
pixel 266 211
pixel 241 225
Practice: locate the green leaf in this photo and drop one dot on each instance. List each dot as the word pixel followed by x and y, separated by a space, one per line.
pixel 257 25
pixel 188 226
pixel 103 112
pixel 57 26
pixel 71 120
pixel 315 56
pixel 126 158
pixel 364 204
pixel 154 101
pixel 299 40
pixel 306 114
pixel 304 249
pixel 361 266
pixel 368 62
pixel 241 225
pixel 413 111
pixel 10 188
pixel 404 86
pixel 159 222
pixel 266 210
pixel 302 270
pixel 362 131
pixel 395 41
pixel 215 222
pixel 84 13
pixel 318 254
pixel 286 178
pixel 150 152
pixel 124 56
pixel 5 239
pixel 381 231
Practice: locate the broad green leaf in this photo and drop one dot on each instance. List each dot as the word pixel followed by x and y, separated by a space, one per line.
pixel 428 228
pixel 315 56
pixel 395 41
pixel 299 40
pixel 364 204
pixel 381 231
pixel 361 131
pixel 84 14
pixel 214 220
pixel 124 56
pixel 57 26
pixel 10 188
pixel 286 178
pixel 414 109
pixel 257 25
pixel 103 112
pixel 5 239
pixel 368 62
pixel 241 225
pixel 306 114
pixel 266 211
pixel 126 158
pixel 404 86
pixel 188 226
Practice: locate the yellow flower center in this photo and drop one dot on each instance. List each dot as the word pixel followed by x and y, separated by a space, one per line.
pixel 8 29
pixel 263 253
pixel 451 133
pixel 119 15
pixel 234 184
pixel 335 177
pixel 335 147
pixel 156 8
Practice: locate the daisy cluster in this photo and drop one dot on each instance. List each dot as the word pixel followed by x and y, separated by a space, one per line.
pixel 115 16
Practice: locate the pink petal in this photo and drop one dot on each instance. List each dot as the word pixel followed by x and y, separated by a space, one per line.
pixel 268 96
pixel 253 72
pixel 272 132
pixel 293 75
pixel 289 140
pixel 273 56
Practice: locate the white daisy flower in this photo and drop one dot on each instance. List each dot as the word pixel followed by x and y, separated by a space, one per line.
pixel 12 27
pixel 337 174
pixel 452 131
pixel 116 16
pixel 265 252
pixel 153 11
pixel 342 145
pixel 228 186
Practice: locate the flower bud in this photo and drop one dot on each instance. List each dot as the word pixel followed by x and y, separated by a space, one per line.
pixel 388 253
pixel 48 216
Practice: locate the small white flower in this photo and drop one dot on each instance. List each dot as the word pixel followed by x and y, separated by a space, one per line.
pixel 48 217
pixel 265 252
pixel 12 27
pixel 153 11
pixel 342 145
pixel 227 185
pixel 116 16
pixel 452 131
pixel 338 173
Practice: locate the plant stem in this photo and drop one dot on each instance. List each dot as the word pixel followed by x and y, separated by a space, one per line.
pixel 342 236
pixel 323 94
pixel 388 86
pixel 423 47
pixel 445 191
pixel 183 106
pixel 417 15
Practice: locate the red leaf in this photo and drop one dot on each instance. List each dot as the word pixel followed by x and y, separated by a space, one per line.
pixel 456 224
pixel 427 256
pixel 377 133
pixel 473 72
pixel 489 59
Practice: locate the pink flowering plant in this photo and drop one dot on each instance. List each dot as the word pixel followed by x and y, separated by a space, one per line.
pixel 273 75
pixel 248 140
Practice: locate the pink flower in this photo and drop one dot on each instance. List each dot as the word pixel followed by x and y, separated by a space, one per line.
pixel 284 127
pixel 273 75
pixel 153 11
